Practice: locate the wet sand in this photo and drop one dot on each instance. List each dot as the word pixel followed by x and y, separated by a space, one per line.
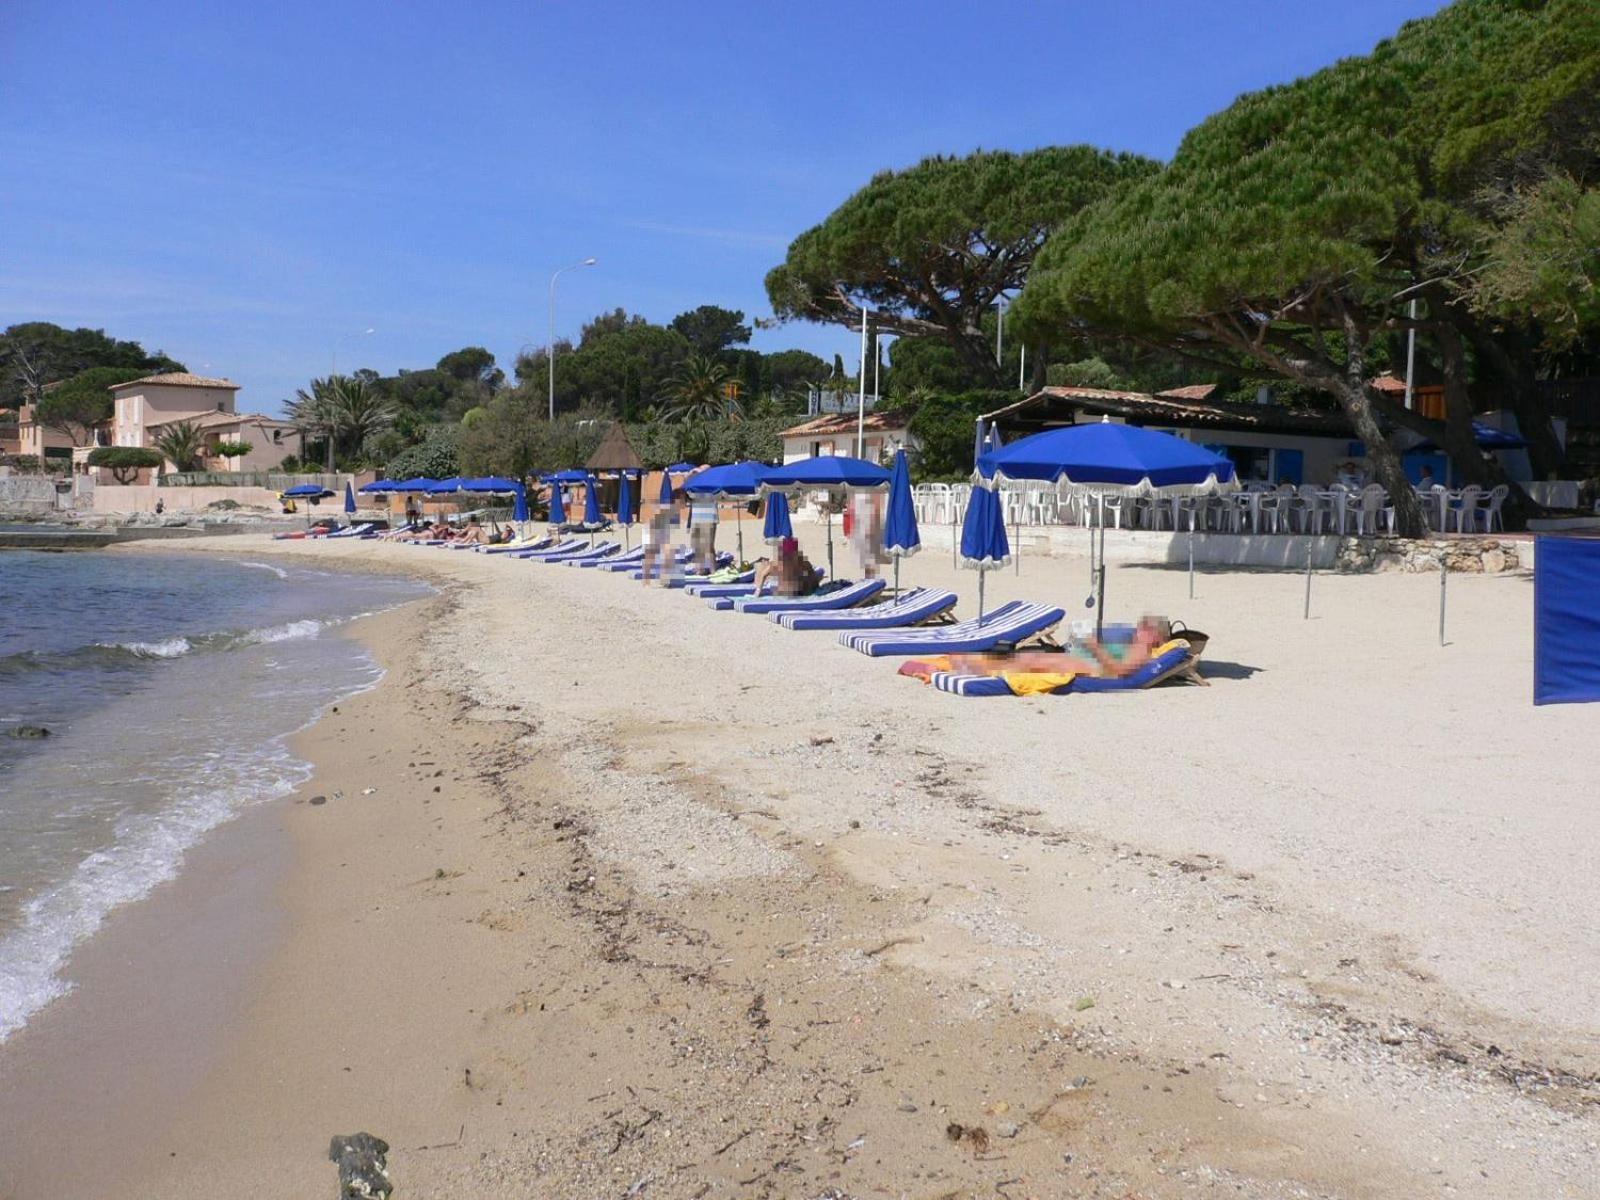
pixel 705 907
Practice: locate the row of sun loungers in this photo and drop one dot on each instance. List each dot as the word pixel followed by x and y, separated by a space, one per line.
pixel 916 623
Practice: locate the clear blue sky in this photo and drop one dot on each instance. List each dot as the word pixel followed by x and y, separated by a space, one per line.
pixel 239 184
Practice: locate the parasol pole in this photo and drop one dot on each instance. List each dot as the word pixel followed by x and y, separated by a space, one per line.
pixel 1191 552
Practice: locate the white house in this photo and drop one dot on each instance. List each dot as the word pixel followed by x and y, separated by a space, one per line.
pixel 835 433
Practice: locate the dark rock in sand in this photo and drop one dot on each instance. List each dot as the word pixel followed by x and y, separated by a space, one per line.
pixel 29 731
pixel 318 800
pixel 363 1166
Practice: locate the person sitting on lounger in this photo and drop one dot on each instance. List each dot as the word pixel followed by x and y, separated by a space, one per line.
pixel 1090 657
pixel 791 572
pixel 474 534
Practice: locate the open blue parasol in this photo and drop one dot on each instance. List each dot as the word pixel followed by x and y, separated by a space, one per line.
pixel 1103 459
pixel 739 481
pixel 827 471
pixel 308 491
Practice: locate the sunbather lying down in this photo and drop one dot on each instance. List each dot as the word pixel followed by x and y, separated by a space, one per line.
pixel 1152 637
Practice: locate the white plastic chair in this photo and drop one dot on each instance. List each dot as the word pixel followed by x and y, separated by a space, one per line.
pixel 1491 514
pixel 1464 509
pixel 1369 504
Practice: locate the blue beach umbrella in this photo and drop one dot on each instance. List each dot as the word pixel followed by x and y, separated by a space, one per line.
pixel 570 476
pixel 682 468
pixel 625 505
pixel 519 511
pixel 1105 459
pixel 308 491
pixel 741 481
pixel 1113 460
pixel 827 471
pixel 591 504
pixel 777 525
pixel 666 489
pixel 558 502
pixel 489 483
pixel 984 546
pixel 441 487
pixel 420 484
pixel 379 485
pixel 900 536
pixel 349 498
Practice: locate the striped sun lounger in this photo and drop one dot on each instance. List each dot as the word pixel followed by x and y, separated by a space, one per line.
pixel 632 562
pixel 350 531
pixel 913 608
pixel 518 547
pixel 596 552
pixel 629 558
pixel 1160 668
pixel 1009 625
pixel 569 546
pixel 848 596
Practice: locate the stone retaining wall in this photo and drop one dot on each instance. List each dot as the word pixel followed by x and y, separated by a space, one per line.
pixel 1488 556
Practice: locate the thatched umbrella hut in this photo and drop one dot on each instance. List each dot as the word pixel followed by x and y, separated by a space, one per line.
pixel 615 455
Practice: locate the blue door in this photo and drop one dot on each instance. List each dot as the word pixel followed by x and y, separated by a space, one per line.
pixel 1290 466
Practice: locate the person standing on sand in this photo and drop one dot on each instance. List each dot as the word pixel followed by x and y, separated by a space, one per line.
pixel 657 544
pixel 703 532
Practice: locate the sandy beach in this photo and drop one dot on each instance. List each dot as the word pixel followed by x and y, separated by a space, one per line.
pixel 610 895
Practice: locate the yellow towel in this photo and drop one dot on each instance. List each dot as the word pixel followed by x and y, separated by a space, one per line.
pixel 1036 683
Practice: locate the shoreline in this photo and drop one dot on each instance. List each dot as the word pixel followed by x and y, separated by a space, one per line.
pixel 778 946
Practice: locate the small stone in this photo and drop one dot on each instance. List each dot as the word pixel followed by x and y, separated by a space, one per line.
pixel 30 731
pixel 1176 985
pixel 1008 1129
pixel 1390 1038
pixel 318 800
pixel 905 1105
pixel 368 791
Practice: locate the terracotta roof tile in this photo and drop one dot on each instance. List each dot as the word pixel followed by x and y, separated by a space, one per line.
pixel 875 422
pixel 177 379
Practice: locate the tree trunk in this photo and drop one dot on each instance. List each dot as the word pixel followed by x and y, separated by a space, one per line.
pixel 1461 441
pixel 1509 357
pixel 1351 394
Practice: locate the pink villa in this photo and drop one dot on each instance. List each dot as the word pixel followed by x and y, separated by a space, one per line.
pixel 143 408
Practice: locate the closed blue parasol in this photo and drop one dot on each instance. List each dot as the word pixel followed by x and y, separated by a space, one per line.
pixel 625 501
pixel 777 525
pixel 519 511
pixel 558 504
pixel 349 497
pixel 665 497
pixel 591 503
pixel 984 546
pixel 900 536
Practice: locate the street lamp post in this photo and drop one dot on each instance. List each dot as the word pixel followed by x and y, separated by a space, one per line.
pixel 588 262
pixel 336 342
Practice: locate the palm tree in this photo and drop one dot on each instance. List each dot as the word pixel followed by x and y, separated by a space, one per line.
pixel 313 413
pixel 181 445
pixel 342 411
pixel 699 391
pixel 359 412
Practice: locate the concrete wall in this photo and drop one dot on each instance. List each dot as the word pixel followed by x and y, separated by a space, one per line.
pixel 30 494
pixel 114 497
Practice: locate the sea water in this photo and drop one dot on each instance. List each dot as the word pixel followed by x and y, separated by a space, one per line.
pixel 169 684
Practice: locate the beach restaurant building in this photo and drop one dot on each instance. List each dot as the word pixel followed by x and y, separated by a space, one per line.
pixel 835 433
pixel 1267 443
